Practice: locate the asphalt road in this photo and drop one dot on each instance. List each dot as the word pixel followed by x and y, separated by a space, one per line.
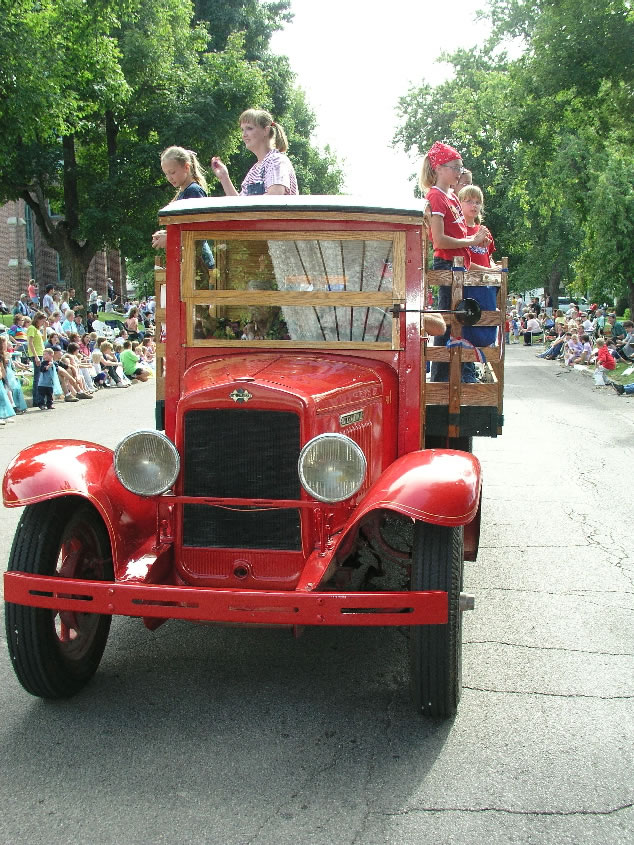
pixel 249 737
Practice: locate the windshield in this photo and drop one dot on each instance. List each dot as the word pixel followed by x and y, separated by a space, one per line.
pixel 326 290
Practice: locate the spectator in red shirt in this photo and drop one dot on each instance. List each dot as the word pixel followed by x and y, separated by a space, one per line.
pixel 605 361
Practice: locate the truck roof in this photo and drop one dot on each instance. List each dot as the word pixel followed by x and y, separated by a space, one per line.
pixel 304 203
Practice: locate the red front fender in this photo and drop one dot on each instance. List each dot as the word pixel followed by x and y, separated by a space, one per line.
pixel 441 486
pixel 55 468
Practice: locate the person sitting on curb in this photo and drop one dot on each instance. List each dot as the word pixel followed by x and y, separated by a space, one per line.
pixel 131 365
pixel 605 363
pixel 72 367
pixel 557 348
pixel 625 347
pixel 71 387
pixel 572 349
pixel 84 368
pixel 614 329
pixel 533 327
pixel 107 361
pixel 587 350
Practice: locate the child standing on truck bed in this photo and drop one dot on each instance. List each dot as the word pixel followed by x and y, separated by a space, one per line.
pixel 472 205
pixel 182 170
pixel 441 170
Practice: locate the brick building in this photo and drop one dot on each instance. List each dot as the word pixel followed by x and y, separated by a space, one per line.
pixel 24 255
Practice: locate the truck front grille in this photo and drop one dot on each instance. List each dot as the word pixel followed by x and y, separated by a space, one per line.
pixel 239 453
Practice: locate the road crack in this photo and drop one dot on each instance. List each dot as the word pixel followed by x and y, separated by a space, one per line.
pixel 550 648
pixel 609 811
pixel 551 694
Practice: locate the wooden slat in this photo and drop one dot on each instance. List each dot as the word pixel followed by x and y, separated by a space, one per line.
pixel 398 265
pixel 159 317
pixel 188 265
pixel 183 219
pixel 304 235
pixel 455 360
pixel 437 393
pixel 290 344
pixel 292 297
pixel 441 353
pixel 491 318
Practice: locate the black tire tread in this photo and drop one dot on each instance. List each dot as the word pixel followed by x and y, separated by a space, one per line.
pixel 436 650
pixel 34 658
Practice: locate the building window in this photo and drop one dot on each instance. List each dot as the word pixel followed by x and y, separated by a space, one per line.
pixel 30 241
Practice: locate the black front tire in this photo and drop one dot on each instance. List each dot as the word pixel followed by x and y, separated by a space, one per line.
pixel 436 650
pixel 55 653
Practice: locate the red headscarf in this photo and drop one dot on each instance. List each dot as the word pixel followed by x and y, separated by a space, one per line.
pixel 441 154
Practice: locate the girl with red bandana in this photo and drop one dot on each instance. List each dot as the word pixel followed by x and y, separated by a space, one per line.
pixel 440 173
pixel 441 170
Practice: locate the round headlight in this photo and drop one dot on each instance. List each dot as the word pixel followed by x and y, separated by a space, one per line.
pixel 146 463
pixel 331 467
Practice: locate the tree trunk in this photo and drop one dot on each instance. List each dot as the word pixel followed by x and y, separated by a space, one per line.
pixel 553 286
pixel 75 255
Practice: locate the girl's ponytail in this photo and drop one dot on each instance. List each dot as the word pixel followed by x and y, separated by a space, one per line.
pixel 427 177
pixel 280 139
pixel 198 174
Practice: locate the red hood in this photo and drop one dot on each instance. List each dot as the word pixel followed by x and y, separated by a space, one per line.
pixel 320 379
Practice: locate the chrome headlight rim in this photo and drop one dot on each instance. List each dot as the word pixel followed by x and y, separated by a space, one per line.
pixel 173 451
pixel 320 438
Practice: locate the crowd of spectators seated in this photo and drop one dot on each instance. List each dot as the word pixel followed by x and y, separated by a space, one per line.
pixel 71 350
pixel 592 337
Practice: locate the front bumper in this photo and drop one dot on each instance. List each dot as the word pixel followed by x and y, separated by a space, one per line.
pixel 205 604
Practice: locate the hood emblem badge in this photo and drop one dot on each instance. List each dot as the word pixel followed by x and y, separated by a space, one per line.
pixel 349 419
pixel 240 394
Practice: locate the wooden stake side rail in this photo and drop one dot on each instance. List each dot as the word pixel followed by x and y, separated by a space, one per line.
pixel 454 394
pixel 159 339
pixel 493 354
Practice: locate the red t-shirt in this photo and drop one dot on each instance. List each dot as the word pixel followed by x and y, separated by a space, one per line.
pixel 605 358
pixel 481 254
pixel 454 226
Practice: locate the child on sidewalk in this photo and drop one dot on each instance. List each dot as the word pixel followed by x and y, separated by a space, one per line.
pixel 45 384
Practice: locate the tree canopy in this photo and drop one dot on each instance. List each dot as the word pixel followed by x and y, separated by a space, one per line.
pixel 92 92
pixel 548 135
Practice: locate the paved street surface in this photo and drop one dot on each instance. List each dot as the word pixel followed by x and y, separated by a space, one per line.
pixel 249 737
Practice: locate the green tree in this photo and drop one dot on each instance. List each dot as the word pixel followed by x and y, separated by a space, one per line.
pixel 542 132
pixel 257 20
pixel 98 91
pixel 318 172
pixel 606 263
pixel 90 93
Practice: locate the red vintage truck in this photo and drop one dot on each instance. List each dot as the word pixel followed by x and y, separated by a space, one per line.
pixel 303 470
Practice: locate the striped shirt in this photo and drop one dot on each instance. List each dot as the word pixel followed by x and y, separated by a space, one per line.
pixel 274 169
